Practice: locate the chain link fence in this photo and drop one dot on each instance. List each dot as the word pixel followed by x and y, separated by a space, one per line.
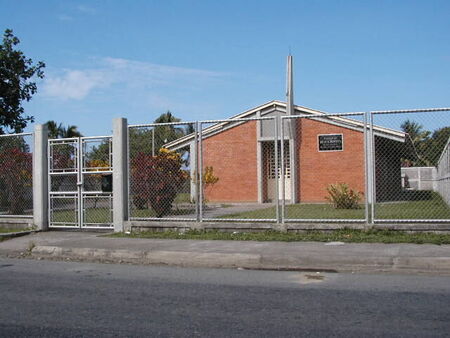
pixel 240 167
pixel 415 170
pixel 347 167
pixel 443 173
pixel 16 175
pixel 162 171
pixel 327 165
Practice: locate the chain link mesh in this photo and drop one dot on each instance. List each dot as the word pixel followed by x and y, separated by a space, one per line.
pixel 16 175
pixel 412 177
pixel 97 210
pixel 349 167
pixel 161 170
pixel 239 170
pixel 97 182
pixel 64 211
pixel 327 159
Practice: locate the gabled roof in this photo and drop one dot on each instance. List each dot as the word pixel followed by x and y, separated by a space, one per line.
pixel 274 105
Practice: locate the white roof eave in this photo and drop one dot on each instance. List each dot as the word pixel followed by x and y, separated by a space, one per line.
pixel 378 131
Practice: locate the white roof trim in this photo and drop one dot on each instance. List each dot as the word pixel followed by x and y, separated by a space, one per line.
pixel 337 120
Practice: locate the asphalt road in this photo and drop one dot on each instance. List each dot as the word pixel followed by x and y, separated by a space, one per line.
pixel 46 298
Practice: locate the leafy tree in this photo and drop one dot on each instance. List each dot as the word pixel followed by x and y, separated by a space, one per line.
pixel 15 174
pixel 140 141
pixel 150 141
pixel 15 179
pixel 436 144
pixel 16 73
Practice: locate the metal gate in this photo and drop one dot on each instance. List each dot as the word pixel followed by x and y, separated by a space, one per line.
pixel 80 182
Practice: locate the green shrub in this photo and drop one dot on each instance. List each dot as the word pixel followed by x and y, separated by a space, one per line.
pixel 155 180
pixel 343 197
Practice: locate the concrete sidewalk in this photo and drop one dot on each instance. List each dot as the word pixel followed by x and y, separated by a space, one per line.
pixel 407 258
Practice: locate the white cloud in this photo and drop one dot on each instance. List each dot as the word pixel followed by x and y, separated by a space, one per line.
pixel 64 17
pixel 86 9
pixel 160 70
pixel 77 84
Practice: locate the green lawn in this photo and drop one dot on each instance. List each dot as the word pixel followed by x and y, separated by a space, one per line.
pixel 183 198
pixel 345 235
pixel 98 215
pixel 6 230
pixel 305 211
pixel 101 215
pixel 433 208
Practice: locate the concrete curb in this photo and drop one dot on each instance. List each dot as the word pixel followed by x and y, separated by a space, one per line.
pixel 8 235
pixel 152 257
pixel 435 265
pixel 225 225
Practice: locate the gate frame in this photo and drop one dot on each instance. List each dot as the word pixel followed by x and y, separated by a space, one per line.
pixel 79 195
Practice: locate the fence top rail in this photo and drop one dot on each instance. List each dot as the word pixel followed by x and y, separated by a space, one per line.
pixel 95 137
pixel 323 115
pixel 55 140
pixel 18 134
pixel 400 111
pixel 200 121
pixel 143 125
pixel 239 120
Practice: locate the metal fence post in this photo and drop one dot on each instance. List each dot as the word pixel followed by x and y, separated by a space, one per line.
pixel 371 149
pixel 196 172
pixel 40 177
pixel 278 174
pixel 283 169
pixel 366 173
pixel 200 171
pixel 120 174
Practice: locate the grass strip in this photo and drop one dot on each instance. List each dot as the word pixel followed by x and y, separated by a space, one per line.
pixel 344 235
pixel 6 230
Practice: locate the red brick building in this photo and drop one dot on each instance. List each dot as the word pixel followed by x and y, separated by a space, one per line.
pixel 318 150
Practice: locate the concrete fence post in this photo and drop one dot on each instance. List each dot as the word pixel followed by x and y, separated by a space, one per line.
pixel 120 173
pixel 40 177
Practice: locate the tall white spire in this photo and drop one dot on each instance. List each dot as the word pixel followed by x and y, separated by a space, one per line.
pixel 289 87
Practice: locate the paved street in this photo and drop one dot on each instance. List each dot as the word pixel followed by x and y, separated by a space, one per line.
pixel 47 298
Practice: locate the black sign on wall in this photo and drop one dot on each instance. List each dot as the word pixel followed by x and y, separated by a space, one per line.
pixel 331 142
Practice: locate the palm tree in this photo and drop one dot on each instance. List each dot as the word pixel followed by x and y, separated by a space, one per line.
pixel 59 131
pixel 417 140
pixel 167 133
pixel 71 131
pixel 54 130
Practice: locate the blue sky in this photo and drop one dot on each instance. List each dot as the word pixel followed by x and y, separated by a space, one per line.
pixel 214 59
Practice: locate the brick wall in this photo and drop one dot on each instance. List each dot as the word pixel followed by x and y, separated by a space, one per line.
pixel 319 169
pixel 232 153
